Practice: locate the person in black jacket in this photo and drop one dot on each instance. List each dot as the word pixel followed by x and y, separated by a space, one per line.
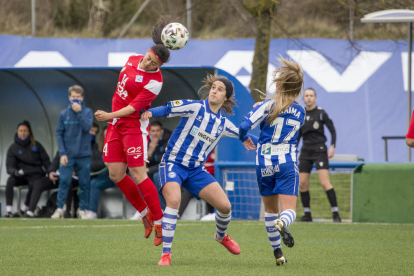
pixel 49 183
pixel 26 162
pixel 314 151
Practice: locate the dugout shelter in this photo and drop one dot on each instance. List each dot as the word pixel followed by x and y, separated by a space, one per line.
pixel 40 94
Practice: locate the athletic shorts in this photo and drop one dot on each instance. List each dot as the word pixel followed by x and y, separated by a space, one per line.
pixel 126 142
pixel 192 179
pixel 308 157
pixel 282 179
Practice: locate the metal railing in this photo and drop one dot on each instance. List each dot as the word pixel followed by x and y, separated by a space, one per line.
pixel 386 138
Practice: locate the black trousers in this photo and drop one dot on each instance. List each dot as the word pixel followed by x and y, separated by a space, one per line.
pixel 15 181
pixel 45 184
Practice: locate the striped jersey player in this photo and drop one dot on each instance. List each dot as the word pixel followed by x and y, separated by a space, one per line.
pixel 201 127
pixel 280 117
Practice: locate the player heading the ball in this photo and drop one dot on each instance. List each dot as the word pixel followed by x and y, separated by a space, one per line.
pixel 139 83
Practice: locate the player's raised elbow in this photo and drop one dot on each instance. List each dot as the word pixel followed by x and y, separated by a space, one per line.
pixel 410 142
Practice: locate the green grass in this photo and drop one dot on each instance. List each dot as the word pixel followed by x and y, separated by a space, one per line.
pixel 116 247
pixel 320 206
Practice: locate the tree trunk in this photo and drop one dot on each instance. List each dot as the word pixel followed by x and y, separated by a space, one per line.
pixel 262 11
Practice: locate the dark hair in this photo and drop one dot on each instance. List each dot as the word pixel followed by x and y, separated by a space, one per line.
pixel 101 139
pixel 95 125
pixel 310 88
pixel 204 91
pixel 76 88
pixel 156 123
pixel 159 48
pixel 27 124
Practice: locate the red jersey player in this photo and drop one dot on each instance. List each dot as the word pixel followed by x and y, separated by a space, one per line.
pixel 409 138
pixel 126 140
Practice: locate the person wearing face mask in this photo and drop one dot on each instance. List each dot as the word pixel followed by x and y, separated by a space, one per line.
pixel 74 143
pixel 26 162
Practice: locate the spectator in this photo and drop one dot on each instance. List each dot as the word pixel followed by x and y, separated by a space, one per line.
pixel 100 181
pixel 74 142
pixel 156 148
pixel 26 162
pixel 409 138
pixel 49 183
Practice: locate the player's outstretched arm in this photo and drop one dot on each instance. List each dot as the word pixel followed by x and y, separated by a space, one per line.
pixel 105 116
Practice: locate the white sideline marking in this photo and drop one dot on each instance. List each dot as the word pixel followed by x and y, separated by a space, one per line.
pixel 84 226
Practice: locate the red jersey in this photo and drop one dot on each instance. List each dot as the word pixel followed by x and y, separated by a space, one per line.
pixel 410 133
pixel 209 164
pixel 136 87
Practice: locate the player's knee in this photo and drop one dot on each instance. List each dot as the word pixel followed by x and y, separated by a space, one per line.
pixel 326 185
pixel 225 209
pixel 173 203
pixel 115 177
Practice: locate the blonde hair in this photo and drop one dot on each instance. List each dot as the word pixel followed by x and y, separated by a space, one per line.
pixel 289 83
pixel 228 105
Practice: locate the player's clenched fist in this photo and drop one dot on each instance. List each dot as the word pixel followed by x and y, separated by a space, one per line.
pixel 146 115
pixel 101 115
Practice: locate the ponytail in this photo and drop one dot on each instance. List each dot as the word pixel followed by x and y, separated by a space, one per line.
pixel 289 82
pixel 159 48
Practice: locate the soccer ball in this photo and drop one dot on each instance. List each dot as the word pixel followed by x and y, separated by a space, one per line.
pixel 174 36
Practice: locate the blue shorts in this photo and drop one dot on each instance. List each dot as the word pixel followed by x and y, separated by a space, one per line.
pixel 192 179
pixel 278 179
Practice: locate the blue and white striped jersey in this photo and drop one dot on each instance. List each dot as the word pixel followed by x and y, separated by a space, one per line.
pixel 278 140
pixel 198 132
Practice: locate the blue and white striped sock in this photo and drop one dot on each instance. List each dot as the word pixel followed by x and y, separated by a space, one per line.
pixel 222 222
pixel 288 216
pixel 169 221
pixel 272 233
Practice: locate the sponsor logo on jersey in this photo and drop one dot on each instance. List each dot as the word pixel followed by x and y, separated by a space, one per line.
pixel 270 170
pixel 139 78
pixel 129 63
pixel 172 175
pixel 121 87
pixel 176 103
pixel 199 118
pixel 307 118
pixel 203 136
pixel 269 149
pixel 134 150
pixel 315 125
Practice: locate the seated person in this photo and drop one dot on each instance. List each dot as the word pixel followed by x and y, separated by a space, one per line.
pixel 26 162
pixel 49 183
pixel 156 148
pixel 100 175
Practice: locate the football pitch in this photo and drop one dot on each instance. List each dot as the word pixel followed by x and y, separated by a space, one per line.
pixel 117 247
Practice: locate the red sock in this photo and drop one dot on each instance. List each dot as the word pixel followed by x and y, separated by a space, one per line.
pixel 150 193
pixel 131 192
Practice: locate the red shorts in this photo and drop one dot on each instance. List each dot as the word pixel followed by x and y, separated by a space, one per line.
pixel 126 141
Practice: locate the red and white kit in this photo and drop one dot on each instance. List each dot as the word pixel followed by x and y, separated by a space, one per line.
pixel 127 137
